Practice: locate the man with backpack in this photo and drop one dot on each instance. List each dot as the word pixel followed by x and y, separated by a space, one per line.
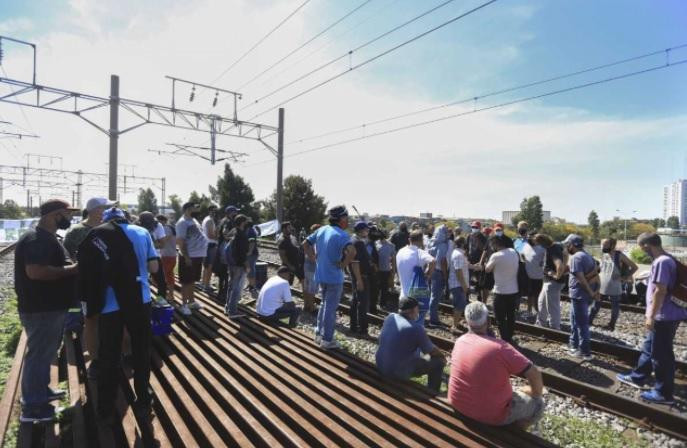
pixel 613 263
pixel 412 263
pixel 665 309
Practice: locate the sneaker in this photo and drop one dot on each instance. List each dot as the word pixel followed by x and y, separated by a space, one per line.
pixel 587 357
pixel 318 339
pixel 235 316
pixel 653 396
pixel 183 309
pixel 195 306
pixel 56 394
pixel 46 414
pixel 329 345
pixel 626 378
pixel 573 350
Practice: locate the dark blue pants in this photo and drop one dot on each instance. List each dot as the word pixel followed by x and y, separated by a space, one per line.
pixel 579 326
pixel 657 356
pixel 615 310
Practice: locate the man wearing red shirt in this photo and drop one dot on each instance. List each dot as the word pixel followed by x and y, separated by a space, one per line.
pixel 481 365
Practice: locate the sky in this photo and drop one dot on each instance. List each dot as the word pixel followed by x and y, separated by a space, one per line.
pixel 607 147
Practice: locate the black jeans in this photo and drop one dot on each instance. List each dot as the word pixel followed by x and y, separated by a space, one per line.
pixel 291 312
pixel 504 310
pixel 383 282
pixel 434 368
pixel 359 306
pixel 160 281
pixel 110 331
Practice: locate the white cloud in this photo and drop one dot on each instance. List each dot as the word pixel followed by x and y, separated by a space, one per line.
pixel 16 25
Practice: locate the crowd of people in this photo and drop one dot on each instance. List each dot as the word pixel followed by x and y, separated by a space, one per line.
pixel 98 278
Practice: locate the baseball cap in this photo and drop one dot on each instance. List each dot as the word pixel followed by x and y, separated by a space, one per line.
pixel 487 230
pixel 188 205
pixel 407 303
pixel 338 212
pixel 476 224
pixel 53 205
pixel 113 213
pixel 574 239
pixel 230 209
pixel 98 202
pixel 360 225
pixel 498 225
pixel 284 270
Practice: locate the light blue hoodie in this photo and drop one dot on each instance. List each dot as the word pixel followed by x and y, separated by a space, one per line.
pixel 438 245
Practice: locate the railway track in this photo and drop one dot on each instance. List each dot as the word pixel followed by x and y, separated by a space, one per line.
pixel 650 416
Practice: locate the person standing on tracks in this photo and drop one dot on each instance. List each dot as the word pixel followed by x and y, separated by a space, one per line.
pixel 481 366
pixel 533 255
pixel 582 265
pixel 252 233
pixel 503 263
pixel 385 275
pixel 458 279
pixel 438 248
pixel 95 207
pixel 275 301
pixel 476 245
pixel 168 254
pixel 399 237
pixel 289 254
pixel 44 280
pixel 116 259
pixel 334 253
pixel 209 227
pixel 613 264
pixel 549 314
pixel 157 233
pixel 662 318
pixel 224 235
pixel 193 249
pixel 407 259
pixel 239 265
pixel 402 343
pixel 360 270
pixel 310 286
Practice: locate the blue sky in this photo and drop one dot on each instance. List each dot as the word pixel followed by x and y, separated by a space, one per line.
pixel 567 148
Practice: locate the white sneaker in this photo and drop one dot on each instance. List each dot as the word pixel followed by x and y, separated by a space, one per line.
pixel 235 316
pixel 195 305
pixel 573 350
pixel 183 309
pixel 329 345
pixel 318 339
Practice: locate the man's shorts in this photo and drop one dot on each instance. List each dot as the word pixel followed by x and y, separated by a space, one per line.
pixel 459 301
pixel 523 407
pixel 535 286
pixel 310 286
pixel 210 255
pixel 190 274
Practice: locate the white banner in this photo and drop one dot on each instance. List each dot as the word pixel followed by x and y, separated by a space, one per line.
pixel 268 228
pixel 12 229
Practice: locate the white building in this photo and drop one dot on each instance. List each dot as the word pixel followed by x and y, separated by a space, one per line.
pixel 675 200
pixel 507 216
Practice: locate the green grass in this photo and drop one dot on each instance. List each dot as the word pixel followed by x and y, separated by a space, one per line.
pixel 571 432
pixel 10 331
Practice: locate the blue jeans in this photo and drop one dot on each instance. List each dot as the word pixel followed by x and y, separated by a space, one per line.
pixel 238 275
pixel 657 356
pixel 459 300
pixel 326 317
pixel 43 337
pixel 252 259
pixel 579 325
pixel 615 310
pixel 437 293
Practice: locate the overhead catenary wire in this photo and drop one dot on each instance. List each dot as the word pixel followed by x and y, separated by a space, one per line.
pixel 489 94
pixel 378 56
pixel 304 44
pixel 668 64
pixel 260 41
pixel 350 52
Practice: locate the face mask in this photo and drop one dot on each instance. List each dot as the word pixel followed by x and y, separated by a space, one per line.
pixel 64 223
pixel 522 232
pixel 474 230
pixel 498 233
pixel 606 250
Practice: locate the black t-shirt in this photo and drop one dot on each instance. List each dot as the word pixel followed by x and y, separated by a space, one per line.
pixel 239 248
pixel 41 247
pixel 555 252
pixel 399 239
pixel 477 243
pixel 362 256
pixel 290 246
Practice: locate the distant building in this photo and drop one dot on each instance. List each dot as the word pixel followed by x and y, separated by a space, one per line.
pixel 675 200
pixel 426 215
pixel 508 215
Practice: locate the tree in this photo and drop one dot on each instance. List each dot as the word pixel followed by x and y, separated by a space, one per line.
pixel 147 202
pixel 302 207
pixel 593 221
pixel 11 210
pixel 201 200
pixel 658 223
pixel 612 229
pixel 233 190
pixel 637 228
pixel 532 211
pixel 175 203
pixel 673 222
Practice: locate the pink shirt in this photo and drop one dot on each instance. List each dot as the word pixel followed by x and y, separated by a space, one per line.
pixel 479 386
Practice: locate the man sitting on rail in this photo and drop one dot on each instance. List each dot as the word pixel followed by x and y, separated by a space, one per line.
pixel 274 301
pixel 481 365
pixel 400 342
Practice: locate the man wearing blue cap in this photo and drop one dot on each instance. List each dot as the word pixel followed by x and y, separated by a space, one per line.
pixel 361 271
pixel 219 265
pixel 334 253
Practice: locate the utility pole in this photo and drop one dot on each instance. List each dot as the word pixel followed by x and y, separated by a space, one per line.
pixel 114 135
pixel 280 166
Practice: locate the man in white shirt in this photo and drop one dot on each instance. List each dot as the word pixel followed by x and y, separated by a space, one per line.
pixel 458 278
pixel 210 231
pixel 504 264
pixel 407 259
pixel 275 301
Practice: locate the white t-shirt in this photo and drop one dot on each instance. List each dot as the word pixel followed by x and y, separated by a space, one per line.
pixel 158 234
pixel 273 294
pixel 209 228
pixel 406 260
pixel 457 261
pixel 505 268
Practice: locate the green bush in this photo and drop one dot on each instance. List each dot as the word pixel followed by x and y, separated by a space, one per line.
pixel 639 256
